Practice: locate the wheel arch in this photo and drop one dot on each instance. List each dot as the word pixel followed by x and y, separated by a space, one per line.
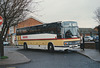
pixel 50 43
pixel 24 43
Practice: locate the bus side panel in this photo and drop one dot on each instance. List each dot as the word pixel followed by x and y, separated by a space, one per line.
pixel 45 42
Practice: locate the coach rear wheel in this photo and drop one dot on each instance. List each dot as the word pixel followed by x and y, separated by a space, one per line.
pixel 25 46
pixel 50 47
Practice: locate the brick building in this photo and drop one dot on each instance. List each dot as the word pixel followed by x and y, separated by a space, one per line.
pixel 26 23
pixel 87 31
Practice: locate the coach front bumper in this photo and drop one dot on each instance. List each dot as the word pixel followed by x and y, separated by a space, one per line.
pixel 70 47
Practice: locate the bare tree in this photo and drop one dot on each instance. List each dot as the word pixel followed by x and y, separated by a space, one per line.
pixel 97 14
pixel 12 12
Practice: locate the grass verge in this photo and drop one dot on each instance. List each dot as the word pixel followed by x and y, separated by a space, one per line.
pixel 3 57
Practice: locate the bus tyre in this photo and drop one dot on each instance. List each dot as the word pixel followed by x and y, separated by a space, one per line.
pixel 25 46
pixel 66 50
pixel 50 48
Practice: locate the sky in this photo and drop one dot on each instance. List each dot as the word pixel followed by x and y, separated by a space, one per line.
pixel 81 11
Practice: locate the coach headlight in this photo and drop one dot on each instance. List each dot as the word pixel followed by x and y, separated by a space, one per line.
pixel 71 42
pixel 77 42
pixel 65 43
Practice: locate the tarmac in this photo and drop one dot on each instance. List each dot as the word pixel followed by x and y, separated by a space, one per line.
pixel 15 57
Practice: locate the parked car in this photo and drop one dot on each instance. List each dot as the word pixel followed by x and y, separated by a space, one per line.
pixel 96 38
pixel 88 38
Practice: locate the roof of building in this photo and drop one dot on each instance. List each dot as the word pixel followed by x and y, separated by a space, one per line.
pixel 27 20
pixel 33 19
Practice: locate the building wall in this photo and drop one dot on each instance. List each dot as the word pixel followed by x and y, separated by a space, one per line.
pixel 28 22
pixel 87 31
pixel 12 30
pixel 81 34
pixel 25 23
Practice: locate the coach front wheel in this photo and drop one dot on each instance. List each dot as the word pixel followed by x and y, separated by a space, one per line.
pixel 50 47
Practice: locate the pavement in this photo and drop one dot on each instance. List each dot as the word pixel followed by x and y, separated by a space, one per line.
pixel 15 57
pixel 90 53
